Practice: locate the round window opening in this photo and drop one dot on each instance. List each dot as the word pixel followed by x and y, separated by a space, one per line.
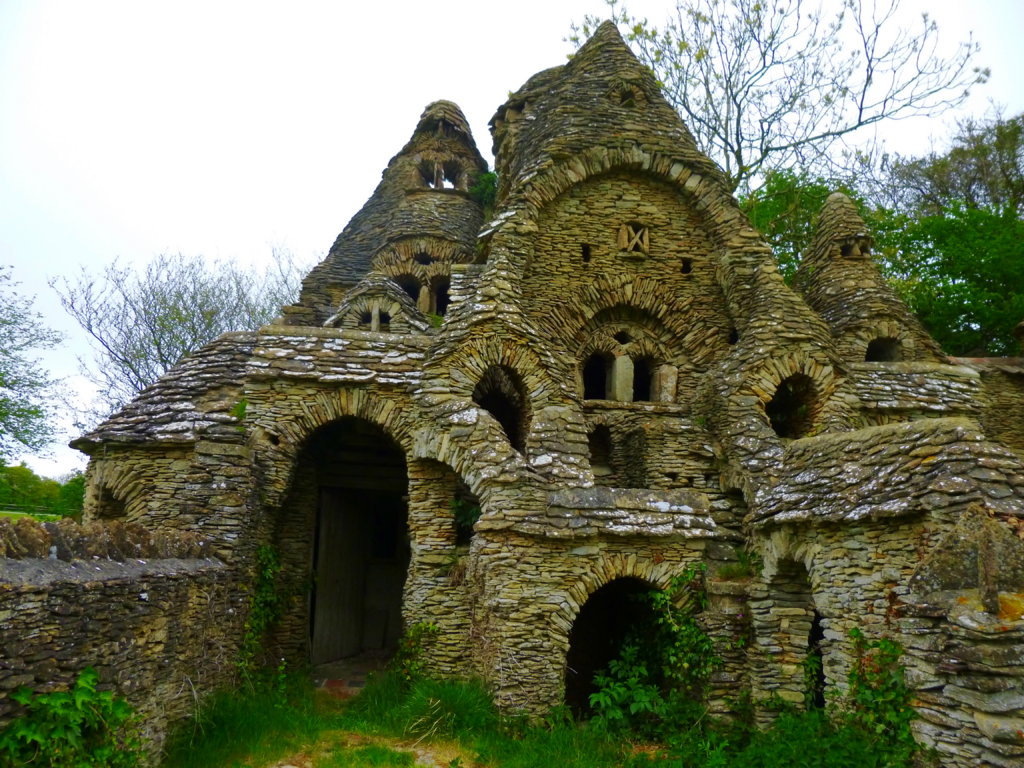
pixel 791 409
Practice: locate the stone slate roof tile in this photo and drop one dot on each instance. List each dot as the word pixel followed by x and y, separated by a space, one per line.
pixel 192 398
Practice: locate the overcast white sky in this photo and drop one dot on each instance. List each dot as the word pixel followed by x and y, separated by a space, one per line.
pixel 132 128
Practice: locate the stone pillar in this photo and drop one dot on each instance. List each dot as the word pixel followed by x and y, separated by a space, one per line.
pixel 664 384
pixel 435 586
pixel 423 304
pixel 622 379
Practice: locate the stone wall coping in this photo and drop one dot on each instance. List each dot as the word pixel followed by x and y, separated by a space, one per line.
pixel 919 366
pixel 37 573
pixel 319 332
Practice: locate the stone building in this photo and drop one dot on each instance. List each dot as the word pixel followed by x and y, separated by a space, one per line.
pixel 610 369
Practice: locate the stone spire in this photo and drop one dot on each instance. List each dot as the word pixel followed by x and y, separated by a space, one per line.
pixel 603 96
pixel 423 193
pixel 843 284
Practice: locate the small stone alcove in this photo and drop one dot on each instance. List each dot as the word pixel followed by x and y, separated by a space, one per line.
pixel 502 394
pixel 884 349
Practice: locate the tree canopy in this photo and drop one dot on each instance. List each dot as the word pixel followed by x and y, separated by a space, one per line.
pixel 143 322
pixel 950 226
pixel 23 491
pixel 26 390
pixel 775 85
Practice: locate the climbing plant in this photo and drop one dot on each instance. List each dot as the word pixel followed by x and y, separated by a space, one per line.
pixel 264 611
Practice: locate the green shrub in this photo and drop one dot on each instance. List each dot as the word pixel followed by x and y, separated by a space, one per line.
pixel 79 728
pixel 657 683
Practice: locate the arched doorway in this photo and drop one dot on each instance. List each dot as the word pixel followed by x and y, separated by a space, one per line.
pixel 597 636
pixel 360 542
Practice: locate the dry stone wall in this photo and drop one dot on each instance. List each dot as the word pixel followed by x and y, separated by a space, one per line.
pixel 158 619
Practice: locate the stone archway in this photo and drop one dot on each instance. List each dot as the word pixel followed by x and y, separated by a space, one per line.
pixel 352 480
pixel 597 636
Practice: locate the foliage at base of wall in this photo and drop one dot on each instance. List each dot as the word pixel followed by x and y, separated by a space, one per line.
pixel 264 611
pixel 657 682
pixel 83 727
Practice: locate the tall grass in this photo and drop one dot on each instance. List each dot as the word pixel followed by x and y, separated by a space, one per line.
pixel 249 727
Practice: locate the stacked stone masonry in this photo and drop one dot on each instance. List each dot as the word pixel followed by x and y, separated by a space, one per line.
pixel 483 418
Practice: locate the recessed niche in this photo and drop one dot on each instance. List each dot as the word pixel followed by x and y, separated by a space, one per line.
pixel 686 267
pixel 423 258
pixel 585 253
pixel 599 443
pixel 597 377
pixel 884 350
pixel 734 336
pixel 410 285
pixel 790 411
pixel 622 337
pixel 643 380
pixel 501 393
pixel 441 297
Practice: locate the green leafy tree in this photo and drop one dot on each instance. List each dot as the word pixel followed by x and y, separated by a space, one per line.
pixel 143 322
pixel 982 169
pixel 25 388
pixel 961 271
pixel 950 233
pixel 773 85
pixel 23 491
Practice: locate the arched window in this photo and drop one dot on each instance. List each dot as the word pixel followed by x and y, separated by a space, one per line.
pixel 108 506
pixel 790 411
pixel 885 349
pixel 440 296
pixel 597 371
pixel 501 393
pixel 643 380
pixel 441 175
pixel 410 285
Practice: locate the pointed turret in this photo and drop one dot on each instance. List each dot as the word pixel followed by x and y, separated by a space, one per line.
pixel 603 96
pixel 843 284
pixel 422 199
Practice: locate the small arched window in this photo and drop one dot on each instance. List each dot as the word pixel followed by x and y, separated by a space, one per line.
pixel 643 380
pixel 410 285
pixel 108 506
pixel 440 296
pixel 885 349
pixel 502 394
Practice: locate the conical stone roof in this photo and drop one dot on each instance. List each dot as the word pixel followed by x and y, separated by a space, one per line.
pixel 423 192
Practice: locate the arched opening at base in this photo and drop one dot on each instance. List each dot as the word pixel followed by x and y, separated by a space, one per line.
pixel 360 546
pixel 597 636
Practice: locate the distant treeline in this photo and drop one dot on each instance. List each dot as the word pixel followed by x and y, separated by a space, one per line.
pixel 22 491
